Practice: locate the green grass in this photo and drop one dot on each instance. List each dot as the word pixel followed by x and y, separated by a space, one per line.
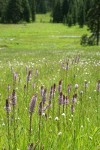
pixel 46 47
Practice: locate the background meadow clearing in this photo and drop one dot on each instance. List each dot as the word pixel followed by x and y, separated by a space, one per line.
pixel 53 53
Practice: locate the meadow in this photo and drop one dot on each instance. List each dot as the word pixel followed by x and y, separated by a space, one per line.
pixel 49 88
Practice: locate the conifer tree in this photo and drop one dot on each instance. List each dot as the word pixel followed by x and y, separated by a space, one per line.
pixel 26 10
pixel 65 7
pixel 41 6
pixel 81 14
pixel 93 20
pixel 32 9
pixel 16 11
pixel 57 12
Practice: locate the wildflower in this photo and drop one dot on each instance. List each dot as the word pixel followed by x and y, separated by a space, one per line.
pixel 81 92
pixel 32 104
pixel 40 108
pixel 74 99
pixel 44 96
pixel 60 133
pixel 66 100
pixel 42 90
pixel 60 86
pixel 7 107
pixel 13 98
pixel 3 124
pixel 69 88
pixel 76 86
pixel 43 114
pixel 45 108
pixel 54 87
pixel 63 114
pixel 60 98
pixel 29 75
pixel 15 75
pixel 56 119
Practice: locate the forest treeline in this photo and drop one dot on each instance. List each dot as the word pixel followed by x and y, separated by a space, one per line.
pixel 69 12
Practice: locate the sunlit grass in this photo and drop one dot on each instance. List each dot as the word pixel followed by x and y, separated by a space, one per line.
pixel 48 48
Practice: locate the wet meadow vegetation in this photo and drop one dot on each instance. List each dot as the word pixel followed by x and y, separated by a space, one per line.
pixel 49 88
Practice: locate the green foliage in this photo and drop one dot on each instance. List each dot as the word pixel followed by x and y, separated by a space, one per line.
pixel 41 6
pixel 32 9
pixel 81 14
pixel 93 20
pixel 69 20
pixel 88 40
pixel 26 11
pixel 14 11
pixel 84 39
pixel 57 13
pixel 65 7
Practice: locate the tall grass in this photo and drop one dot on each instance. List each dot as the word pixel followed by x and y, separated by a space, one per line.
pixel 65 78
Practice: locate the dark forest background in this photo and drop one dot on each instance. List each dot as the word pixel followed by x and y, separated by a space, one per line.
pixel 69 12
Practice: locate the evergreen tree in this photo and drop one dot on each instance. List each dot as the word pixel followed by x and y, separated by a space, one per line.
pixel 26 10
pixel 70 12
pixel 3 4
pixel 81 14
pixel 57 12
pixel 75 12
pixel 65 7
pixel 15 11
pixel 33 9
pixel 41 6
pixel 94 20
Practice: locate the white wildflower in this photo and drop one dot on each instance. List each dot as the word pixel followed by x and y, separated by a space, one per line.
pixel 60 133
pixel 56 119
pixel 63 114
